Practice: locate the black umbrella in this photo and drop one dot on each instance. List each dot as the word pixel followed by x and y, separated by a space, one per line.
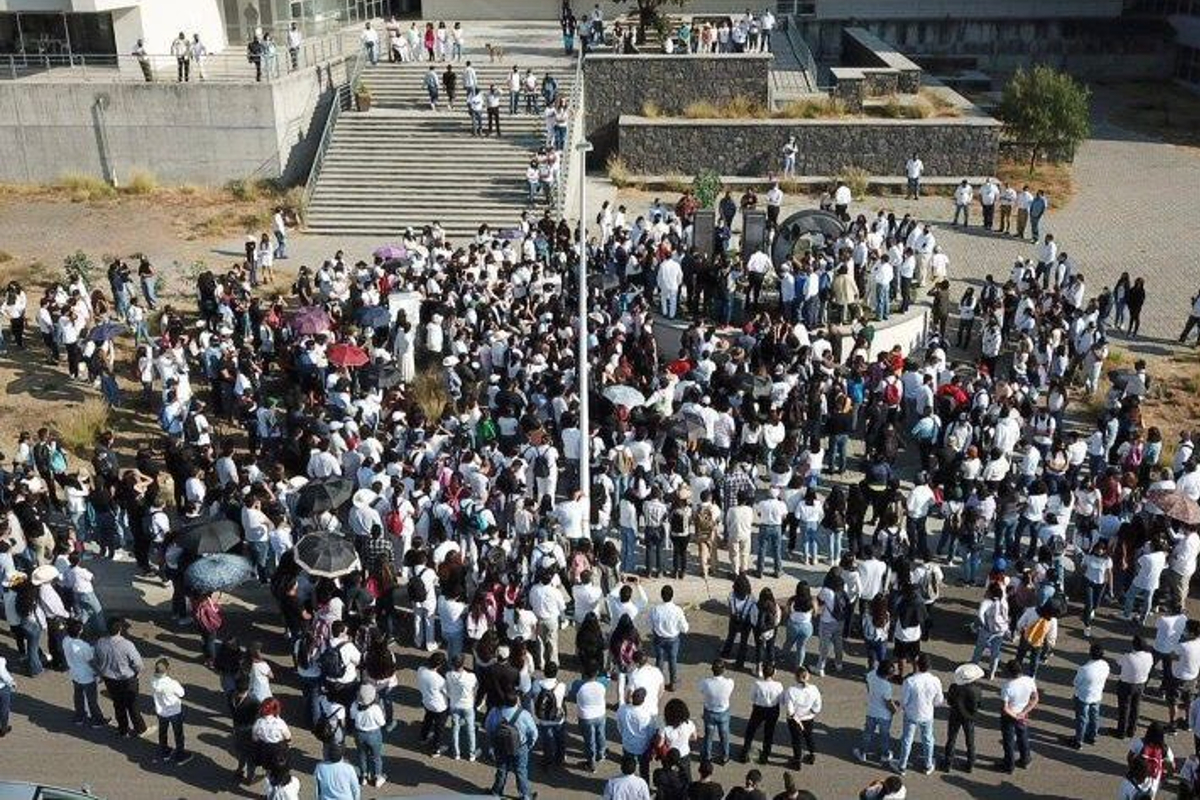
pixel 326 556
pixel 374 317
pixel 325 495
pixel 390 376
pixel 757 385
pixel 210 536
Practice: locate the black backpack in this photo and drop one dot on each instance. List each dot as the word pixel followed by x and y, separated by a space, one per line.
pixel 417 590
pixel 332 665
pixel 546 707
pixel 191 429
pixel 541 464
pixel 326 728
pixel 506 741
pixel 841 605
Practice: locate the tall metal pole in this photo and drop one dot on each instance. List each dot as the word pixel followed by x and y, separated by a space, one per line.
pixel 583 369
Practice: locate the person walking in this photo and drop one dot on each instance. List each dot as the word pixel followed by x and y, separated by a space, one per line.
pixel 963 698
pixel 432 87
pixel 168 707
pixel 294 39
pixel 493 110
pixel 118 663
pixel 370 42
pixel 513 735
pixel 1193 321
pixel 1019 698
pixel 450 84
pixel 921 694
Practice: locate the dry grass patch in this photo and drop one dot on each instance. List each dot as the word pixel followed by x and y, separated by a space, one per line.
pixel 78 430
pixel 812 108
pixel 618 172
pixel 429 392
pixel 856 178
pixel 82 188
pixel 651 109
pixel 1057 179
pixel 140 182
pixel 1164 110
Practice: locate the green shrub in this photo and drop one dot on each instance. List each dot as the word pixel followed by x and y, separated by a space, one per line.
pixel 707 186
pixel 79 263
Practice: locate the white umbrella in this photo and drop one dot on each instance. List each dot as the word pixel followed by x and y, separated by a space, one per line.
pixel 625 396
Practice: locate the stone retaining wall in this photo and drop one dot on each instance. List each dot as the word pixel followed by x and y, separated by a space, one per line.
pixel 949 147
pixel 623 84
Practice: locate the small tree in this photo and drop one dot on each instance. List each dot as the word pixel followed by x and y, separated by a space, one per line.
pixel 650 16
pixel 707 187
pixel 1046 110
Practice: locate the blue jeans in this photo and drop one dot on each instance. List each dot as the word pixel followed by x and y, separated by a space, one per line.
pixel 454 643
pixel 5 706
pixel 992 642
pixel 280 244
pixel 654 543
pixel 552 737
pixel 770 536
pixel 560 137
pixel 1087 721
pixel 883 300
pixel 87 606
pixel 798 634
pixel 716 724
pixel 877 737
pixel 595 738
pixel 463 718
pixel 837 450
pixel 1135 595
pixel 33 645
pixel 667 650
pixel 260 555
pixel 970 565
pixel 836 543
pixel 628 550
pixel 911 731
pixel 311 689
pixel 1006 530
pixel 518 764
pixel 150 293
pixel 370 753
pixel 87 704
pixel 812 542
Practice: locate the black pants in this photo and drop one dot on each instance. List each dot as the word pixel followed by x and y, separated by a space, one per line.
pixel 431 727
pixel 988 213
pixel 967 726
pixel 679 548
pixel 802 737
pixel 124 694
pixel 184 68
pixel 740 630
pixel 17 326
pixel 1129 700
pixel 963 339
pixel 767 718
pixel 51 346
pixel 493 116
pixel 73 356
pixel 754 290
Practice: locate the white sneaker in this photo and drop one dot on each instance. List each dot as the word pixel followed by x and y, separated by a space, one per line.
pixel 379 781
pixel 1087 631
pixel 859 755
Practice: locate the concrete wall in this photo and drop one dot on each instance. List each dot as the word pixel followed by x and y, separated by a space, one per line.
pixel 959 147
pixel 623 84
pixel 965 9
pixel 194 133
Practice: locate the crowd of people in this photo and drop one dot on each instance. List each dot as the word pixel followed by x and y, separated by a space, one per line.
pixel 299 418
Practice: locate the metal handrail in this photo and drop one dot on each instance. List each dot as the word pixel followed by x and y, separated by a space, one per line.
pixel 574 127
pixel 342 94
pixel 803 54
pixel 229 66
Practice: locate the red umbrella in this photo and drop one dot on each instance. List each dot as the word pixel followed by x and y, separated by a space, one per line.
pixel 347 355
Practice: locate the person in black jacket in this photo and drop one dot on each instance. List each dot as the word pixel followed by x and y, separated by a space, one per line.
pixel 963 698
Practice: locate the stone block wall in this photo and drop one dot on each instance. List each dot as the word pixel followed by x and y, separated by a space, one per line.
pixel 881 82
pixel 622 84
pixel 954 148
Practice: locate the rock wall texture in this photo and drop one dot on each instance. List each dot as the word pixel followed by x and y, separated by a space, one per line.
pixel 953 148
pixel 622 84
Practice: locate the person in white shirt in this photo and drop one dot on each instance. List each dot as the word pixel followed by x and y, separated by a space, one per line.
pixel 841 201
pixel 341 687
pixel 79 655
pixel 716 691
pixel 802 703
pixel 921 694
pixel 670 279
pixel 1019 698
pixel 989 193
pixel 914 168
pixel 1089 691
pixel 370 42
pixel 1133 671
pixel 168 694
pixel 369 721
pixel 765 698
pixel 1145 582
pixel 434 700
pixel 547 603
pixel 591 709
pixel 667 624
pixel 962 203
pixel 549 696
pixel 628 785
pixel 461 688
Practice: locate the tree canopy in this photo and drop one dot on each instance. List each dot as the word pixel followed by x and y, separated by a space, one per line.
pixel 1046 110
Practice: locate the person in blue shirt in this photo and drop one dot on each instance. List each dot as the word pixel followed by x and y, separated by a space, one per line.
pixel 518 762
pixel 335 779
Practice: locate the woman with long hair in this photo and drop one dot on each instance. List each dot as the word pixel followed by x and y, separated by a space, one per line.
pixel 741 611
pixel 589 644
pixel 678 732
pixel 623 645
pixel 798 623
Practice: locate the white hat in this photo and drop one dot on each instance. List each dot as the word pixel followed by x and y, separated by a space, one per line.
pixel 967 673
pixel 46 573
pixel 450 361
pixel 364 498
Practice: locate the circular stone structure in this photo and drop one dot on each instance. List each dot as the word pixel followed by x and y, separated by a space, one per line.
pixel 803 231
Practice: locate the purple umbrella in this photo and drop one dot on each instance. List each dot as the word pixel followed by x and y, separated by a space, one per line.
pixel 310 320
pixel 391 252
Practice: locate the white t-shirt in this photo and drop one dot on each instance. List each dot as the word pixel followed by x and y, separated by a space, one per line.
pixel 590 700
pixel 922 693
pixel 1017 694
pixel 433 689
pixel 716 691
pixel 879 692
pixel 1149 569
pixel 680 736
pixel 1186 666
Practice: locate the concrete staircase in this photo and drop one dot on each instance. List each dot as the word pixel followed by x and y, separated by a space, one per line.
pixel 402 165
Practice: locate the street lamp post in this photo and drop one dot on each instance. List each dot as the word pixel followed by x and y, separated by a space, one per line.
pixel 582 369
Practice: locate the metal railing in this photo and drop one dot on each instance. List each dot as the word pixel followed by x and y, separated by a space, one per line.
pixel 233 65
pixel 563 193
pixel 343 96
pixel 803 54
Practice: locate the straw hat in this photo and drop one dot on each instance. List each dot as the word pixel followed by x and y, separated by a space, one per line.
pixel 46 573
pixel 364 498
